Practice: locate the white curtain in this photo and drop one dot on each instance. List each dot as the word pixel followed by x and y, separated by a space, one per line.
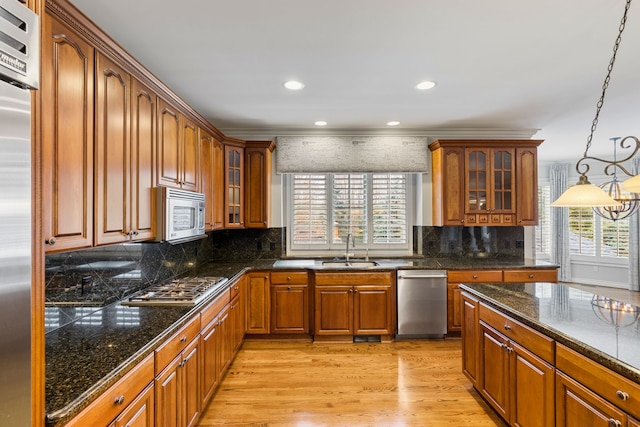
pixel 558 179
pixel 634 241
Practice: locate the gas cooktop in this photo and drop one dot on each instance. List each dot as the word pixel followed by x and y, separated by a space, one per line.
pixel 185 291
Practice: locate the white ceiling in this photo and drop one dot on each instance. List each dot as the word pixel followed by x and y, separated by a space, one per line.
pixel 502 66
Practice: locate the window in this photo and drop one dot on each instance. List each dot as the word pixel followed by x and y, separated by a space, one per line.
pixel 324 208
pixel 592 235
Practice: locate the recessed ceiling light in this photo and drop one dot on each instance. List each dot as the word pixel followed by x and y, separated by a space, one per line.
pixel 293 85
pixel 425 85
pixel 393 123
pixel 320 123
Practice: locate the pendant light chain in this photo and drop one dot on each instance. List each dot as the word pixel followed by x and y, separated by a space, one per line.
pixel 605 85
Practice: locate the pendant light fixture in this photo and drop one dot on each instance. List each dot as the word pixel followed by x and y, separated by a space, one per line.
pixel 585 194
pixel 629 201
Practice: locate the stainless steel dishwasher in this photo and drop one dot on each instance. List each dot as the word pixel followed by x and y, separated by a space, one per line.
pixel 422 304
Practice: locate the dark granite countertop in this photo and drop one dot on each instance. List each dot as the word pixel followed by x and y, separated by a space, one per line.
pixel 87 356
pixel 583 321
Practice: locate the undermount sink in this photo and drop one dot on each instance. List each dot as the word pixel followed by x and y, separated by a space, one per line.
pixel 350 264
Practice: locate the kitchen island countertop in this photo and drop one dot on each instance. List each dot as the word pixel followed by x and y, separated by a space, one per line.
pixel 579 319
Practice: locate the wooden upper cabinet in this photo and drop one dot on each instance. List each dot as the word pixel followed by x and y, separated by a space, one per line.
pixel 527 189
pixel 125 147
pixel 484 182
pixel 257 183
pixel 177 148
pixel 234 186
pixel 113 156
pixel 448 186
pixel 67 94
pixel 189 155
pixel 143 161
pixel 212 179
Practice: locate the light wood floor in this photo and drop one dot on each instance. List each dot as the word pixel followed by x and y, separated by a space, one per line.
pixel 405 383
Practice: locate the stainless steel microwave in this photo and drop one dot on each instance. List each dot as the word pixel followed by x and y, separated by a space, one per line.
pixel 180 215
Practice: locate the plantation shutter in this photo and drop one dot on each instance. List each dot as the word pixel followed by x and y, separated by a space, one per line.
pixel 389 203
pixel 310 209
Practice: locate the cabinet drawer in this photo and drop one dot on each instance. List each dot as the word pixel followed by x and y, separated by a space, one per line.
pixel 115 399
pixel 353 278
pixel 234 288
pixel 289 278
pixel 212 309
pixel 530 275
pixel 532 340
pixel 474 276
pixel 612 386
pixel 174 345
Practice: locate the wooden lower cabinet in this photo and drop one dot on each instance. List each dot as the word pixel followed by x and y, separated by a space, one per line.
pixel 576 405
pixel 354 304
pixel 177 392
pixel 515 382
pixel 258 302
pixel 140 413
pixel 470 334
pixel 289 303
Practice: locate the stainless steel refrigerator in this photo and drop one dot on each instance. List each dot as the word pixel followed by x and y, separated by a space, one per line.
pixel 19 71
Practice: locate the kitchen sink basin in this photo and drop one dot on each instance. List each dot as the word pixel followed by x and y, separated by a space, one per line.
pixel 349 264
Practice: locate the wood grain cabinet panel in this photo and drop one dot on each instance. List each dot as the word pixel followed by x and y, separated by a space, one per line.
pixel 354 304
pixel 212 179
pixel 289 303
pixel 140 413
pixel 576 405
pixel 257 203
pixel 518 384
pixel 470 338
pixel 258 303
pixel 178 147
pixel 484 182
pixel 125 156
pixel 67 94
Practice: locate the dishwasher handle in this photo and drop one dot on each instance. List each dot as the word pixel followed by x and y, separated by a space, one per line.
pixel 424 275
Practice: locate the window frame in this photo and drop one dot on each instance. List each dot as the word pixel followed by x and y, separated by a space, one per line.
pixel 331 249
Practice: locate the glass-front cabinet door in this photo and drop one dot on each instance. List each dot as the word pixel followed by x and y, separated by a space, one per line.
pixel 489 186
pixel 503 181
pixel 477 162
pixel 234 165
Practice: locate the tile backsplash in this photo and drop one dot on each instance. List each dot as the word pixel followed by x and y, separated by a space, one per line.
pixel 76 281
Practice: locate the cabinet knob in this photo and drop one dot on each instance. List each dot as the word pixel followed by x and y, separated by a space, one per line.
pixel 136 232
pixel 236 288
pixel 531 276
pixel 475 276
pixel 119 400
pixel 507 327
pixel 183 339
pixel 50 241
pixel 622 395
pixel 288 278
pixel 288 288
pixel 614 423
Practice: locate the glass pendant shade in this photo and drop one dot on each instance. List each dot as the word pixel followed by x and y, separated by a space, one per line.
pixel 632 185
pixel 585 195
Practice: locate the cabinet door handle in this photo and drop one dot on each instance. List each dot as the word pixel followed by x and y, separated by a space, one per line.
pixel 119 400
pixel 622 395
